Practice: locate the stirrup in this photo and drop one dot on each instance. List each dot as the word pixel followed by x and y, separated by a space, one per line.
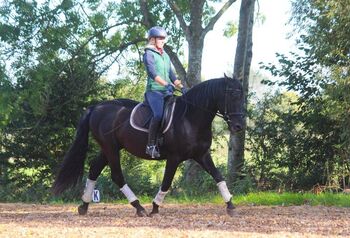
pixel 152 150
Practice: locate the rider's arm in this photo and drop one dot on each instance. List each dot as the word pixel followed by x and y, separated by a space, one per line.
pixel 173 79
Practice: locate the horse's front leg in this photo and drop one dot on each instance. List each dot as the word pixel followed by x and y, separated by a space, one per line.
pixel 170 169
pixel 208 165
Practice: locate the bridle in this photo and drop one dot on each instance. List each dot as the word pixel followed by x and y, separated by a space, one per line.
pixel 226 115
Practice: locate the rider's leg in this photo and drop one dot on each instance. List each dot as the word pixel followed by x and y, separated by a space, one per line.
pixel 156 102
pixel 151 148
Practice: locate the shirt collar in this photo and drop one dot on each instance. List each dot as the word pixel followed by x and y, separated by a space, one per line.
pixel 152 47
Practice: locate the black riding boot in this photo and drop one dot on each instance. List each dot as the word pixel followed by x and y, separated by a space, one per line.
pixel 152 148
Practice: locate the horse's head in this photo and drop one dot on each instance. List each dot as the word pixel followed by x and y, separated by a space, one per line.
pixel 231 104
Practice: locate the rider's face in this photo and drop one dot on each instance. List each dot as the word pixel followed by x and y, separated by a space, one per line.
pixel 160 41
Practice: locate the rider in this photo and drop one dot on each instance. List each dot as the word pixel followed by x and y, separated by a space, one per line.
pixel 161 82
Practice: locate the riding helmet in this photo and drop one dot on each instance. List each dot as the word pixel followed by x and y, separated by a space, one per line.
pixel 157 31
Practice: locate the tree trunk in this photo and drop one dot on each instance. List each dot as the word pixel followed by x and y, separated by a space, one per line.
pixel 195 53
pixel 242 64
pixel 195 39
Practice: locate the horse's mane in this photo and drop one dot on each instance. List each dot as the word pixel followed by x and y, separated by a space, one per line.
pixel 204 91
pixel 202 95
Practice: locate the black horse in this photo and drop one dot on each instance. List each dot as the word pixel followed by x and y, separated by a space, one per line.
pixel 189 137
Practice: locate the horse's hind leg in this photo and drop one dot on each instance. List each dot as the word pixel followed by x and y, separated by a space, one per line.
pixel 96 167
pixel 117 177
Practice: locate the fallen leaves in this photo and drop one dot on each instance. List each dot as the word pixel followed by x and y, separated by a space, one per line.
pixel 174 220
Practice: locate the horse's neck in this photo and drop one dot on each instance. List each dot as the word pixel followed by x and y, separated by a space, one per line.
pixel 201 113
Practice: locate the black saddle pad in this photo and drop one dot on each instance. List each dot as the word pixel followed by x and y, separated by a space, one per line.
pixel 142 114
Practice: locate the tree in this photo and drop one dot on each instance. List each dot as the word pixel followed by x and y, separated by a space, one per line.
pixel 242 64
pixel 52 78
pixel 324 29
pixel 287 147
pixel 320 75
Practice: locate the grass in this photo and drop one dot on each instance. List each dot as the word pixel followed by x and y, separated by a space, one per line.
pixel 266 199
pixel 255 199
pixel 288 199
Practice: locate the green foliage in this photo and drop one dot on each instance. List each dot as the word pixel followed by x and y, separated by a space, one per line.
pixel 324 25
pixel 298 143
pixel 292 144
pixel 6 96
pixel 202 184
pixel 56 61
pixel 231 29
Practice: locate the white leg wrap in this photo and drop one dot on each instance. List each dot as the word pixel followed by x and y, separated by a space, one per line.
pixel 128 193
pixel 226 195
pixel 159 197
pixel 89 189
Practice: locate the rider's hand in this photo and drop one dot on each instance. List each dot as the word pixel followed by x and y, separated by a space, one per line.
pixel 170 88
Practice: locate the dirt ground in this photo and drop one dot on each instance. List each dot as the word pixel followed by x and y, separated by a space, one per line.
pixel 205 220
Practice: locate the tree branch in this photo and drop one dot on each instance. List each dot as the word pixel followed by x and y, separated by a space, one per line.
pixel 147 21
pixel 212 22
pixel 120 48
pixel 180 70
pixel 179 17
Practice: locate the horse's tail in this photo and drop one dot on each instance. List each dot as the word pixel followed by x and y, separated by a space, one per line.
pixel 72 168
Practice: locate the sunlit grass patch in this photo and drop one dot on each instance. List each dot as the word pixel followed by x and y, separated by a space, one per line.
pixel 288 199
pixel 251 199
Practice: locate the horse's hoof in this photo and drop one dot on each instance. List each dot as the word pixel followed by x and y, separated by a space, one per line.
pixel 230 212
pixel 154 213
pixel 142 213
pixel 82 210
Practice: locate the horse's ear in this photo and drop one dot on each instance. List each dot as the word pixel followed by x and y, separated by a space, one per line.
pixel 226 78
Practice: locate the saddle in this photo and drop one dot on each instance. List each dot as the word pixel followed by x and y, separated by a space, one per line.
pixel 142 114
